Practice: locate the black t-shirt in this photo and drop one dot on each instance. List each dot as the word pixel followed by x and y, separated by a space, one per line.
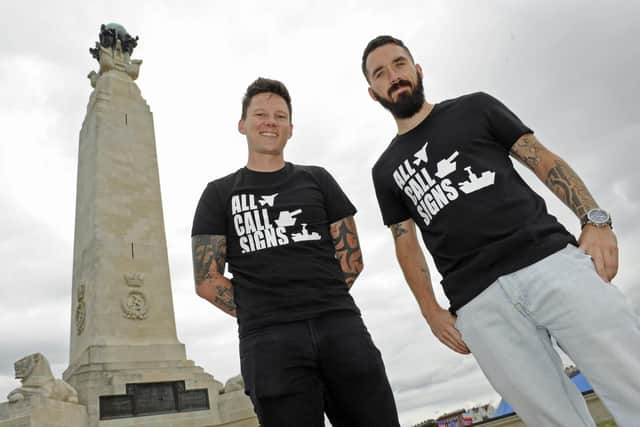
pixel 279 248
pixel 452 174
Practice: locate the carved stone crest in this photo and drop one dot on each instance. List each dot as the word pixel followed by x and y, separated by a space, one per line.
pixel 81 309
pixel 134 279
pixel 134 306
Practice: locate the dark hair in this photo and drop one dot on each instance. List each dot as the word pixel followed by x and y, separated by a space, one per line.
pixel 262 85
pixel 376 43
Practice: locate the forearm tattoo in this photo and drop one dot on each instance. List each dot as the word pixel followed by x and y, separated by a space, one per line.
pixel 224 298
pixel 348 253
pixel 564 182
pixel 209 255
pixel 397 230
pixel 527 150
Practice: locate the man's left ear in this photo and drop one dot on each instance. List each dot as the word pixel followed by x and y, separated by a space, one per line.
pixel 241 127
pixel 290 130
pixel 419 69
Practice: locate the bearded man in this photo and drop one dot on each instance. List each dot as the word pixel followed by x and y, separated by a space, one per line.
pixel 514 276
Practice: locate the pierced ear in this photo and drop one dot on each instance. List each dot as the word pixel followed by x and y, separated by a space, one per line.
pixel 241 127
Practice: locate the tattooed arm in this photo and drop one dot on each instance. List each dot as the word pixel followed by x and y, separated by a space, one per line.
pixel 209 254
pixel 416 273
pixel 561 179
pixel 555 173
pixel 345 240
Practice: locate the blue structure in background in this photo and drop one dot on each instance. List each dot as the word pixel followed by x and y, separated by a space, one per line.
pixel 579 380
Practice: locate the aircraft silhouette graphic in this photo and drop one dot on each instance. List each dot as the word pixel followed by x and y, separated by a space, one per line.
pixel 268 200
pixel 421 155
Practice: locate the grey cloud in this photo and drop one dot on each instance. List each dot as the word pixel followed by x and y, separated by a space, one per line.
pixel 444 373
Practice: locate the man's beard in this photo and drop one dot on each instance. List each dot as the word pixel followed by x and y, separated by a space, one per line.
pixel 408 103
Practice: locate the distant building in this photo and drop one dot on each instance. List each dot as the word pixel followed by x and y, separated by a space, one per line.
pixel 481 413
pixel 571 371
pixel 461 417
pixel 427 423
pixel 457 418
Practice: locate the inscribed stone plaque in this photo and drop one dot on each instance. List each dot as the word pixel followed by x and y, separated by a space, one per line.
pixel 152 399
pixel 116 407
pixel 155 398
pixel 193 400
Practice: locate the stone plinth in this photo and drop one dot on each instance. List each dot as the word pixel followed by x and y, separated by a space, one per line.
pixel 236 410
pixel 39 411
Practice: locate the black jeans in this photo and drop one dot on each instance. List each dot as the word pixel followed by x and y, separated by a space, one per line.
pixel 294 372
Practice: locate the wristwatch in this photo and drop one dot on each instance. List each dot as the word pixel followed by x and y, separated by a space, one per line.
pixel 596 217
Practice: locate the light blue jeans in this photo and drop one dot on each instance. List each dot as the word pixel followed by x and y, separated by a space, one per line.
pixel 508 328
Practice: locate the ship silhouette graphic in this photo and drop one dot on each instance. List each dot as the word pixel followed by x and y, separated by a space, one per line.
pixel 304 235
pixel 475 183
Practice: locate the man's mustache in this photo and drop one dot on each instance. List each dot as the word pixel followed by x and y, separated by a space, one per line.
pixel 397 85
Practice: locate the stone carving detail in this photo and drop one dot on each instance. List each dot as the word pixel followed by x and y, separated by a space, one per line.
pixel 113 52
pixel 81 309
pixel 37 380
pixel 135 306
pixel 110 34
pixel 135 279
pixel 233 384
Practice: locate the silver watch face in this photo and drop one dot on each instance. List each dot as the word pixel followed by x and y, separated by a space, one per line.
pixel 598 216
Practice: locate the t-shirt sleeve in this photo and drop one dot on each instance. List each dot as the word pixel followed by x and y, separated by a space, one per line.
pixel 505 126
pixel 210 215
pixel 338 204
pixel 392 207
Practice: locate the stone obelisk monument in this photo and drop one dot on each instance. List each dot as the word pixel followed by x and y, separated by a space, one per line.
pixel 125 359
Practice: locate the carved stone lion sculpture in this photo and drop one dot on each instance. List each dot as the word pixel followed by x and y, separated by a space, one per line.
pixel 35 374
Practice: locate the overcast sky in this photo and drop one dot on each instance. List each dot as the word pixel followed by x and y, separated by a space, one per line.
pixel 568 69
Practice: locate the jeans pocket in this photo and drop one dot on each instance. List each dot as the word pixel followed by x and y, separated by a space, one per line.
pixel 272 361
pixel 580 256
pixel 459 322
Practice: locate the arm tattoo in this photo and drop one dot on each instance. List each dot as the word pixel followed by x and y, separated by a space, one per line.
pixel 348 253
pixel 209 254
pixel 527 150
pixel 564 182
pixel 224 298
pixel 397 230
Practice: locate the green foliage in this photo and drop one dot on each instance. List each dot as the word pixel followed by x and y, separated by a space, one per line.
pixel 607 424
